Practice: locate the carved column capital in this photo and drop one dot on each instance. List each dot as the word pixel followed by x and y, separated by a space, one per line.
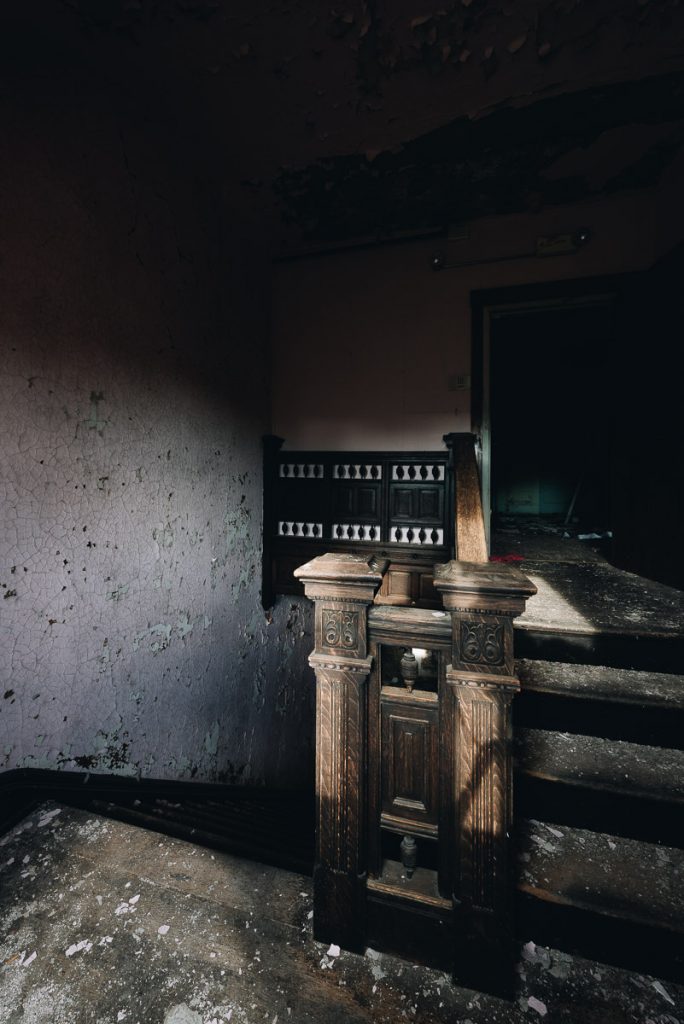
pixel 342 587
pixel 483 600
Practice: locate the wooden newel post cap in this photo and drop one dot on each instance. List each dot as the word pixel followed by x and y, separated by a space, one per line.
pixel 346 576
pixel 485 586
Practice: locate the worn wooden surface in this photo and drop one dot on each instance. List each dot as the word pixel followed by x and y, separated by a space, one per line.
pixel 469 529
pixel 477 787
pixel 635 770
pixel 599 683
pixel 419 624
pixel 595 597
pixel 342 586
pixel 629 880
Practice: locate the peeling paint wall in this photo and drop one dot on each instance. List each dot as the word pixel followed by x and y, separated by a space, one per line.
pixel 132 403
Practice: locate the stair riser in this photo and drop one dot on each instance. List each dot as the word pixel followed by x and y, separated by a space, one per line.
pixel 606 939
pixel 649 654
pixel 612 813
pixel 656 726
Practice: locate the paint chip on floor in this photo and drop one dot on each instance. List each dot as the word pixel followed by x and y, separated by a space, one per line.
pixel 660 989
pixel 47 818
pixel 536 1004
pixel 78 947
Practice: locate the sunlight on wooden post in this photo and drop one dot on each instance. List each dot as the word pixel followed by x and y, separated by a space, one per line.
pixel 342 587
pixel 483 600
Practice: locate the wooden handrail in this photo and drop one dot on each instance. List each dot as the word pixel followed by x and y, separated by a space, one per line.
pixel 470 540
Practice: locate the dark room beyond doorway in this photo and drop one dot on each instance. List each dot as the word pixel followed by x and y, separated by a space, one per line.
pixel 551 464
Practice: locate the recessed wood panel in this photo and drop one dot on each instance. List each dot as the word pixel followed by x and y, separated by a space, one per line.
pixel 402 503
pixel 298 496
pixel 430 504
pixel 367 502
pixel 426 589
pixel 409 762
pixel 344 500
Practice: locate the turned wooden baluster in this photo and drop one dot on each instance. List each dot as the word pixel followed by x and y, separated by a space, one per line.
pixel 342 587
pixel 476 714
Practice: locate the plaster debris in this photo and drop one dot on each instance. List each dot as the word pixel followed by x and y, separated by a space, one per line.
pixel 536 1004
pixel 29 959
pixel 47 818
pixel 334 950
pixel 78 947
pixel 127 907
pixel 554 831
pixel 182 1014
pixel 663 992
pixel 163 929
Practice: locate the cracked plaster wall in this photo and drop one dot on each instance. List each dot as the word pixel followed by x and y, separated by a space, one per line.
pixel 132 403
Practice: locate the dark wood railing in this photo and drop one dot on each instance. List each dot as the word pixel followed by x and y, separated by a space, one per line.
pixel 413 508
pixel 469 525
pixel 413 764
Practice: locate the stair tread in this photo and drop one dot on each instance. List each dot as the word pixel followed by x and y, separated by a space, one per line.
pixel 596 682
pixel 631 769
pixel 624 878
pixel 593 598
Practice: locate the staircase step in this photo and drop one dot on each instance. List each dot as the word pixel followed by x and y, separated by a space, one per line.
pixel 628 789
pixel 643 707
pixel 613 766
pixel 224 831
pixel 620 899
pixel 593 613
pixel 622 878
pixel 601 683
pixel 647 653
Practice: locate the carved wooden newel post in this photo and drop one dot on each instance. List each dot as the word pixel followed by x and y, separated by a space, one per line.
pixel 480 684
pixel 342 587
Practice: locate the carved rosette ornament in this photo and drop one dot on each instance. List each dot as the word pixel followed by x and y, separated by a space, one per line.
pixel 342 587
pixel 483 600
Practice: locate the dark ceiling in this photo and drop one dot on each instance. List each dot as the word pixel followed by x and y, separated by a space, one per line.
pixel 369 117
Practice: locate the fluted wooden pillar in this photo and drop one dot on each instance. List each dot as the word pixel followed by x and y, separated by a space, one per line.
pixel 342 587
pixel 480 685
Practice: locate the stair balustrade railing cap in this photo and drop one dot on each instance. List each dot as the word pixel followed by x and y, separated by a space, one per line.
pixel 489 583
pixel 358 575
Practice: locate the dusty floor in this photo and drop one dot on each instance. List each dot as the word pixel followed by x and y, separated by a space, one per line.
pixel 579 590
pixel 103 923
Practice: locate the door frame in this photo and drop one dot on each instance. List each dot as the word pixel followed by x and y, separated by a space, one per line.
pixel 490 304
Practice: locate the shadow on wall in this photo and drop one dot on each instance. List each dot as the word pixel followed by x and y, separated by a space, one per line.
pixel 133 402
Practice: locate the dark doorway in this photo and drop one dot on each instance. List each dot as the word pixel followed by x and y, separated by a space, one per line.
pixel 551 416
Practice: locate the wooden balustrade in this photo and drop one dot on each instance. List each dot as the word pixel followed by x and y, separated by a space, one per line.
pixel 415 508
pixel 413 764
